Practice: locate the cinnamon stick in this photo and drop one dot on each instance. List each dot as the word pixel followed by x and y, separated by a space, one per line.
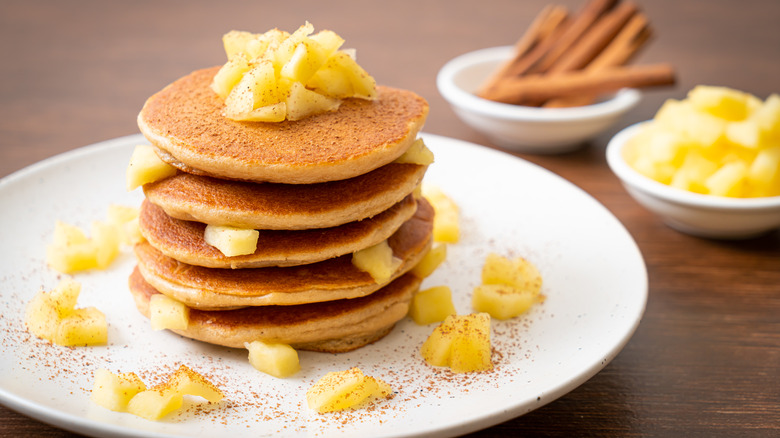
pixel 541 28
pixel 584 20
pixel 592 43
pixel 626 44
pixel 553 27
pixel 536 89
pixel 619 51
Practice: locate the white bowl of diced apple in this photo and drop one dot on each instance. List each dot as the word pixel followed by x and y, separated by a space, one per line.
pixel 714 194
pixel 524 128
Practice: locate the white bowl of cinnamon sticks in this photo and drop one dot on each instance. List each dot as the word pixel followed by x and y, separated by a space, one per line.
pixel 564 82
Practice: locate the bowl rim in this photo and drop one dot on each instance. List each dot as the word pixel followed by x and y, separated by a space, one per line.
pixel 636 180
pixel 623 100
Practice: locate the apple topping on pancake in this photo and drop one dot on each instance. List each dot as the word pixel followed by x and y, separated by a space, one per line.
pixel 277 75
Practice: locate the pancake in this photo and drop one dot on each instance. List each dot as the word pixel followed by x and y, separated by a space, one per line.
pixel 183 240
pixel 284 206
pixel 332 279
pixel 333 326
pixel 186 122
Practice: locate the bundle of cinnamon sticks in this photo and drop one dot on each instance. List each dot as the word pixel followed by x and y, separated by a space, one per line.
pixel 566 60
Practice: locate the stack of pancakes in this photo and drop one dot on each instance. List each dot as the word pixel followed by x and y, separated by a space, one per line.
pixel 317 189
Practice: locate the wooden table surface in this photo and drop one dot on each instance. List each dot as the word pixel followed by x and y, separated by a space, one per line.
pixel 705 358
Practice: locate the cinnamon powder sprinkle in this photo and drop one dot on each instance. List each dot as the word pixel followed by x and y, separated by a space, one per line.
pixel 253 401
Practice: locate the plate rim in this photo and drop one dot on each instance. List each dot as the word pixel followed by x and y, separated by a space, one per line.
pixel 89 426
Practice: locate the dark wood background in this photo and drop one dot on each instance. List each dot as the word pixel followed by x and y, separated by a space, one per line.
pixel 705 359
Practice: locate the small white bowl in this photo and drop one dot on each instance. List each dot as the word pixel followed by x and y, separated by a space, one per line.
pixel 520 128
pixel 700 215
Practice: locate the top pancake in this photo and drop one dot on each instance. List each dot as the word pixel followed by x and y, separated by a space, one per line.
pixel 185 122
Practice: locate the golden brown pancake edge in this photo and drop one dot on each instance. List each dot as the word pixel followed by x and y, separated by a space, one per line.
pixel 186 121
pixel 273 206
pixel 334 326
pixel 183 240
pixel 336 278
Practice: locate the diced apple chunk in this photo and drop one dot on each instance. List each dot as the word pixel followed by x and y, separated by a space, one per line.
pixel 767 117
pixel 106 238
pixel 461 342
pixel 745 133
pixel 70 250
pixel 417 153
pixel 517 272
pixel 126 220
pixel 145 167
pixel 127 393
pixel 235 42
pixel 502 301
pixel 65 296
pixel 378 261
pixel 764 172
pixel 306 59
pixel 432 305
pixel 446 227
pixel 229 76
pixel 278 75
pixel 186 381
pixel 712 143
pixel 728 180
pixel 257 88
pixel 509 287
pixel 330 81
pixel 42 316
pixel 79 255
pixel 114 391
pixel 302 103
pixel 339 390
pixel 53 316
pixel 363 85
pixel 329 41
pixel 231 241
pixel 167 313
pixel 721 102
pixel 85 326
pixel 471 353
pixel 430 261
pixel 278 360
pixel 153 404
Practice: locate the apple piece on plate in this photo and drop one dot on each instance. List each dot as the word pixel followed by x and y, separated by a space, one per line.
pixel 153 404
pixel 446 226
pixel 430 261
pixel 275 359
pixel 461 342
pixel 86 326
pixel 114 391
pixel 432 305
pixel 502 301
pixel 186 381
pixel 339 390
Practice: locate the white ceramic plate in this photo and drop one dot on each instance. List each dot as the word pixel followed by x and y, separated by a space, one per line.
pixel 594 279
